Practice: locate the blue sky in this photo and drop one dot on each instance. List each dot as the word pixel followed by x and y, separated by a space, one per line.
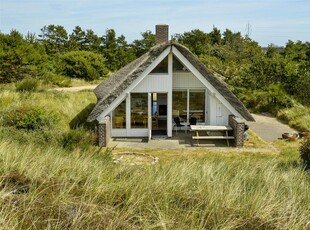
pixel 271 21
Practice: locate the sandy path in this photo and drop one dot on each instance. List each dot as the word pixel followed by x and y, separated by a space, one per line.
pixel 75 88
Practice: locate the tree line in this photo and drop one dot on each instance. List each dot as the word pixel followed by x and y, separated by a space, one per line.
pixel 264 79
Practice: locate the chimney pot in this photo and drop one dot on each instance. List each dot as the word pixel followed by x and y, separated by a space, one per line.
pixel 162 33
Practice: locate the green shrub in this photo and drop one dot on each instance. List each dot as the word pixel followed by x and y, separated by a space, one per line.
pixel 83 64
pixel 304 150
pixel 303 92
pixel 29 118
pixel 28 85
pixel 78 138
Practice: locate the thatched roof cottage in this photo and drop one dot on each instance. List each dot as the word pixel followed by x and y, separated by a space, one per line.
pixel 144 97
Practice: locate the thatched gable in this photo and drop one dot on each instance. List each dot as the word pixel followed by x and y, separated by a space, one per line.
pixel 114 86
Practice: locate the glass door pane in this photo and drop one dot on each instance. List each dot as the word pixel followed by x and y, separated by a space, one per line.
pixel 139 110
pixel 179 104
pixel 197 105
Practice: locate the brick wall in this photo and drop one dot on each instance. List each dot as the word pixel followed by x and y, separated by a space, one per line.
pixel 238 130
pixel 162 32
pixel 104 132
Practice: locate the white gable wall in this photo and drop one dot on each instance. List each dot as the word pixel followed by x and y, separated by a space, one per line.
pixel 154 83
pixel 183 80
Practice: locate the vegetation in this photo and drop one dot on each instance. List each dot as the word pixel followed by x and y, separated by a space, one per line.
pixel 52 175
pixel 305 153
pixel 83 190
pixel 266 80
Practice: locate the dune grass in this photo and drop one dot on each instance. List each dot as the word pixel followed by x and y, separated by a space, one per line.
pixel 297 117
pixel 54 188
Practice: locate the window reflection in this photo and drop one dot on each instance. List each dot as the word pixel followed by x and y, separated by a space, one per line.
pixel 179 104
pixel 119 116
pixel 139 117
pixel 197 105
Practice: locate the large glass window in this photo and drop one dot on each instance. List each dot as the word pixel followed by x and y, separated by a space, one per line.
pixel 197 105
pixel 139 108
pixel 119 116
pixel 179 104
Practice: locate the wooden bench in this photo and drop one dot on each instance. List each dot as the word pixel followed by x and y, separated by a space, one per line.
pixel 209 128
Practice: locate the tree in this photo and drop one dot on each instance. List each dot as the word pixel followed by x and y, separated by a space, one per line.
pixel 143 45
pixel 110 49
pixel 93 42
pixel 215 36
pixel 19 58
pixel 77 39
pixel 196 40
pixel 54 39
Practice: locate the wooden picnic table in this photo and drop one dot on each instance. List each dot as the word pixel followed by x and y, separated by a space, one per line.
pixel 198 129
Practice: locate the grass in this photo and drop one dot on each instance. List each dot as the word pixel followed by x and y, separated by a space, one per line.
pixel 207 190
pixel 46 185
pixel 297 117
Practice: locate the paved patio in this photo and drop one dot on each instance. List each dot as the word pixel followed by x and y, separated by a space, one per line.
pixel 179 140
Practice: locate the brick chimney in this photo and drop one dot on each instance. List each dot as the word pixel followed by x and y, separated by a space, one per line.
pixel 162 33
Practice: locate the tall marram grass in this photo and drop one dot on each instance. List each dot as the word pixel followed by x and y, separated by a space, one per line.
pixel 297 117
pixel 52 188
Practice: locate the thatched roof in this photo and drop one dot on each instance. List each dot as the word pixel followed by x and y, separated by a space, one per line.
pixel 114 86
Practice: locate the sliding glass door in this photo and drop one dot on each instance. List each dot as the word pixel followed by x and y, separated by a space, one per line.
pixel 189 103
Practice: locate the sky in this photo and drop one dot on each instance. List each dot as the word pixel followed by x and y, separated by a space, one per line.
pixel 265 21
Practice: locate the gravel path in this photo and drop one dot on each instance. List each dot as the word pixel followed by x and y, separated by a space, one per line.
pixel 269 128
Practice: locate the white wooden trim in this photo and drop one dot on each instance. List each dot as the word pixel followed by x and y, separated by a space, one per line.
pixel 118 100
pixel 169 96
pixel 128 114
pixel 149 109
pixel 210 87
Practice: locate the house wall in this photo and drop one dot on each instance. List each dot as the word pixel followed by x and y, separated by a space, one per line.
pixel 185 80
pixel 154 83
pixel 218 112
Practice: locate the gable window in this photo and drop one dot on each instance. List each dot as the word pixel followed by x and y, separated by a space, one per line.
pixel 119 116
pixel 162 67
pixel 178 66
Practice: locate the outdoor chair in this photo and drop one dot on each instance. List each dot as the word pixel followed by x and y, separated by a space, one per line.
pixel 177 124
pixel 192 121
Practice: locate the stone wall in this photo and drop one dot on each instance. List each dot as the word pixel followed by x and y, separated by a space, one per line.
pixel 238 130
pixel 104 132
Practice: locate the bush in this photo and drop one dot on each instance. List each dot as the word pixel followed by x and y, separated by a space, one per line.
pixel 83 64
pixel 304 150
pixel 27 85
pixel 303 92
pixel 29 118
pixel 78 138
